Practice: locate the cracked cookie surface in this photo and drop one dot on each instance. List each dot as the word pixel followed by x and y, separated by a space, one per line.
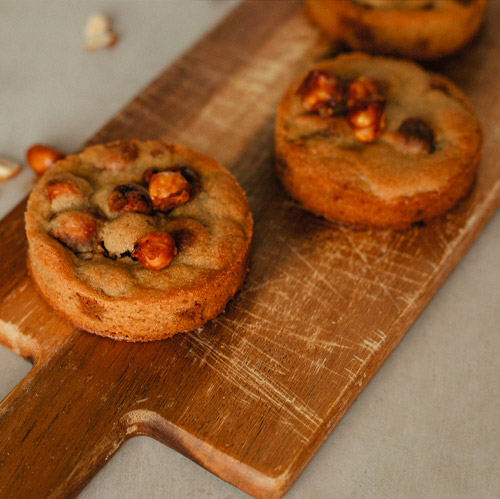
pixel 138 240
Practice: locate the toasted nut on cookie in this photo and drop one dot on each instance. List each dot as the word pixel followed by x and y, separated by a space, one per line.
pixel 155 251
pixel 322 92
pixel 367 121
pixel 415 136
pixel 363 89
pixel 8 168
pixel 41 157
pixel 129 197
pixel 168 189
pixel 55 188
pixel 75 229
pixel 366 106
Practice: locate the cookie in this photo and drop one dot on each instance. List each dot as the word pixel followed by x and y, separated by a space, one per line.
pixel 138 240
pixel 419 29
pixel 375 141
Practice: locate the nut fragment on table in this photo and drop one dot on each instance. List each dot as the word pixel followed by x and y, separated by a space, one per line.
pixel 98 32
pixel 8 168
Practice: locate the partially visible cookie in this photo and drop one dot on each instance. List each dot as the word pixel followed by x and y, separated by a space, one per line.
pixel 376 141
pixel 138 240
pixel 419 29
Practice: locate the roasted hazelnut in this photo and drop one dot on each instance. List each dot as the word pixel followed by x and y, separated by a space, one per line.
pixel 322 92
pixel 415 136
pixel 55 188
pixel 168 189
pixel 129 197
pixel 155 250
pixel 41 157
pixel 367 121
pixel 366 109
pixel 363 89
pixel 75 229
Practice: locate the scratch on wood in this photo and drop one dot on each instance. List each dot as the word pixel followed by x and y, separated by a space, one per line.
pixel 256 384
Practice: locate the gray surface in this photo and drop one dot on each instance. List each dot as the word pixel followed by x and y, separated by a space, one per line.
pixel 428 423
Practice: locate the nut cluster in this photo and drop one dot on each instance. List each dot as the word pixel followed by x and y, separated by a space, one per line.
pixel 360 100
pixel 164 190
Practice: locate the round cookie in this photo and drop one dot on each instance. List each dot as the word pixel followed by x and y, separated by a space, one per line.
pixel 376 141
pixel 138 240
pixel 419 29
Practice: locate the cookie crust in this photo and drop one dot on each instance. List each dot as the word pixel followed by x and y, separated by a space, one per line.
pixel 105 290
pixel 436 29
pixel 322 164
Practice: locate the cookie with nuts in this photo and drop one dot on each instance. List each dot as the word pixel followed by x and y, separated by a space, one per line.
pixel 375 141
pixel 138 240
pixel 419 29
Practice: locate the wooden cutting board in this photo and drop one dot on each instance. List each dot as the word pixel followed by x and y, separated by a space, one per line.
pixel 252 395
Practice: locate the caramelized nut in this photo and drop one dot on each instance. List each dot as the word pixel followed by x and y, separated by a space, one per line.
pixel 322 92
pixel 55 188
pixel 41 157
pixel 415 136
pixel 366 106
pixel 367 121
pixel 155 251
pixel 129 197
pixel 363 89
pixel 75 229
pixel 168 189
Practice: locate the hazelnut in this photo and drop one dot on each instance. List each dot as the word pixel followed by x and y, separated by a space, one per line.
pixel 155 250
pixel 168 189
pixel 41 157
pixel 8 168
pixel 63 187
pixel 363 89
pixel 367 121
pixel 75 229
pixel 366 109
pixel 322 92
pixel 415 136
pixel 129 197
pixel 98 32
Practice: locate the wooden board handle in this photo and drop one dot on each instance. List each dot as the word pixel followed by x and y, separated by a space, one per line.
pixel 55 434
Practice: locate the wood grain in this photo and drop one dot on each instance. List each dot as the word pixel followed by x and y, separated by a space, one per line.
pixel 252 395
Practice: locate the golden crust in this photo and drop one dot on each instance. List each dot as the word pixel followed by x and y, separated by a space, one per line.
pixel 427 33
pixel 323 165
pixel 115 296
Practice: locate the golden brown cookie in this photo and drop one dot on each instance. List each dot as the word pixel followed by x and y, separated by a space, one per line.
pixel 138 240
pixel 376 141
pixel 420 29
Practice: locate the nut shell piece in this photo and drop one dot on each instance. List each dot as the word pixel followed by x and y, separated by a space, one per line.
pixel 8 168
